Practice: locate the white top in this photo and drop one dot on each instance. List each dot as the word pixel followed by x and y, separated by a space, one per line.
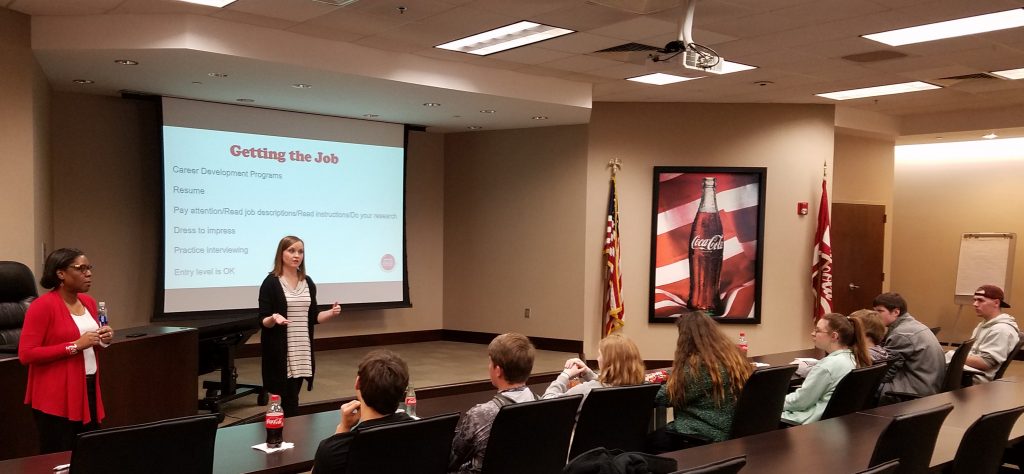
pixel 300 357
pixel 85 323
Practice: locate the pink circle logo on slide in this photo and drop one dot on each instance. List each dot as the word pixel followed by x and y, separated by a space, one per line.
pixel 387 262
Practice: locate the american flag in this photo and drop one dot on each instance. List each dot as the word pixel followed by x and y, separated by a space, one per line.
pixel 614 310
pixel 738 207
pixel 821 269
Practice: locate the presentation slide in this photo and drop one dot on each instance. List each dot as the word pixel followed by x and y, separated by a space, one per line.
pixel 231 194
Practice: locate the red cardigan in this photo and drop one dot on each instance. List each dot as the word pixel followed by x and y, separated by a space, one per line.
pixel 56 380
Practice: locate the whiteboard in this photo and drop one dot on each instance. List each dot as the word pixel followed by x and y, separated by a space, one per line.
pixel 985 259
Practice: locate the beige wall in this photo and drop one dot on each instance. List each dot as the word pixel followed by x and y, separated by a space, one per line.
pixel 863 174
pixel 107 172
pixel 934 204
pixel 24 132
pixel 792 141
pixel 514 231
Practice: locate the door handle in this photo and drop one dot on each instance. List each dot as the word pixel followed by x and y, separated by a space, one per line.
pixel 854 287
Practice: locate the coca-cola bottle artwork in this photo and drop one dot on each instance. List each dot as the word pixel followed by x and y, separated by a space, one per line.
pixel 706 245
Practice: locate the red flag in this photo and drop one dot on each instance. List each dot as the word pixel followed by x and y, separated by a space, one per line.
pixel 613 307
pixel 821 270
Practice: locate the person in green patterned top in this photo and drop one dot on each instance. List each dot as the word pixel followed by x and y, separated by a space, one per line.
pixel 708 373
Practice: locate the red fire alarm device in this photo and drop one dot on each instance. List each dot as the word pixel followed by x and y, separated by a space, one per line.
pixel 801 208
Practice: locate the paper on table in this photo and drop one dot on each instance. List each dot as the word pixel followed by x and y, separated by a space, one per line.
pixel 263 447
pixel 760 364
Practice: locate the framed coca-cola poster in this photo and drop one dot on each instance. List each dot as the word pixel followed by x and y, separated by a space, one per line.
pixel 707 226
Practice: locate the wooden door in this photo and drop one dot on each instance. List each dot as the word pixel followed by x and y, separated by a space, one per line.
pixel 858 242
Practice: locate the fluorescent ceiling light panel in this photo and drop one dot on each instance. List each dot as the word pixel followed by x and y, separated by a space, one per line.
pixel 660 79
pixel 952 28
pixel 729 67
pixel 1011 73
pixel 506 37
pixel 879 90
pixel 210 3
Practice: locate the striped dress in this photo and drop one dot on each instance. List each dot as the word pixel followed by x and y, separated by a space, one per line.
pixel 300 358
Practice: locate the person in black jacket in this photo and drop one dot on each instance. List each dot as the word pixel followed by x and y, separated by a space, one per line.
pixel 287 314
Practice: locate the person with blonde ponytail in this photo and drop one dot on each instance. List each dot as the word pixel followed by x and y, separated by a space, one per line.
pixel 842 338
pixel 708 374
pixel 619 363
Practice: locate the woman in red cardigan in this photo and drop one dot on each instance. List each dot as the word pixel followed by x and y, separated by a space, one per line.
pixel 58 342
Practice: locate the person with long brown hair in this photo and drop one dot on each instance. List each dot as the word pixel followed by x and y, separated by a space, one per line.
pixel 842 338
pixel 287 313
pixel 708 374
pixel 619 363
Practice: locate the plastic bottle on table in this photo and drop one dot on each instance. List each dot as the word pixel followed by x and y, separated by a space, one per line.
pixel 275 422
pixel 410 401
pixel 744 347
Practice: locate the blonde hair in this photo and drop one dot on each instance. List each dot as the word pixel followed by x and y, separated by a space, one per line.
pixel 874 328
pixel 702 345
pixel 851 335
pixel 621 362
pixel 288 241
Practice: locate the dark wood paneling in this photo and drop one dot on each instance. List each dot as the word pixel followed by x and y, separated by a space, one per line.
pixel 542 343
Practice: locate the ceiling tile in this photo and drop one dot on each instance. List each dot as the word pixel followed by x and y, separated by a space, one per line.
pixel 353 21
pixel 159 7
pixel 581 63
pixel 583 17
pixel 636 28
pixel 50 7
pixel 323 32
pixel 293 10
pixel 581 43
pixel 523 9
pixel 250 19
pixel 530 55
pixel 414 10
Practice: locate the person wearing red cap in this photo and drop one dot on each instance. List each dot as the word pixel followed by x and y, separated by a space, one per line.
pixel 994 337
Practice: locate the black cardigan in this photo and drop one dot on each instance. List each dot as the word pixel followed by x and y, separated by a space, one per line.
pixel 275 339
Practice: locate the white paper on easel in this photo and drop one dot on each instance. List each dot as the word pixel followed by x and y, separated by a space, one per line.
pixel 985 259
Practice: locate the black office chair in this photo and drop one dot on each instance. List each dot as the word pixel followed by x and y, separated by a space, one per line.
pixel 953 380
pixel 614 418
pixel 424 446
pixel 531 436
pixel 725 466
pixel 169 446
pixel 855 391
pixel 17 290
pixel 759 406
pixel 981 449
pixel 910 438
pixel 884 468
pixel 1009 358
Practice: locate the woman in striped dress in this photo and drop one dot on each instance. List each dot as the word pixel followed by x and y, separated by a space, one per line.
pixel 287 314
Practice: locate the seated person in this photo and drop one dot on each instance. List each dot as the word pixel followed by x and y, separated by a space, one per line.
pixel 708 373
pixel 918 366
pixel 994 337
pixel 874 333
pixel 510 360
pixel 843 339
pixel 381 380
pixel 619 361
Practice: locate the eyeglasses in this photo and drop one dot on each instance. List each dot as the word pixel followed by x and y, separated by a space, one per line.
pixel 82 267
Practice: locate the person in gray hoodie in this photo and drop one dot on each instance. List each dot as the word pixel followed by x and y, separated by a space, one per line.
pixel 994 337
pixel 919 364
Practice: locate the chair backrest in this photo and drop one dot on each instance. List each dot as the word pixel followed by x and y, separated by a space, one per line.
pixel 725 466
pixel 759 406
pixel 955 368
pixel 1009 358
pixel 411 446
pixel 855 391
pixel 169 446
pixel 614 418
pixel 981 449
pixel 531 436
pixel 17 290
pixel 884 468
pixel 911 439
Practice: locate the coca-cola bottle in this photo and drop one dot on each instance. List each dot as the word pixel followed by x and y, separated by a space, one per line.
pixel 706 245
pixel 275 422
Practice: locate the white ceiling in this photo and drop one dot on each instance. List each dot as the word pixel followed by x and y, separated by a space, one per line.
pixel 370 58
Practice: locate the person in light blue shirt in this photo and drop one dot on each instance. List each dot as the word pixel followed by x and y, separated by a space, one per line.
pixel 843 339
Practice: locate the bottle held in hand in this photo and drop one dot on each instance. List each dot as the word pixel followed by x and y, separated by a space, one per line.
pixel 275 422
pixel 103 314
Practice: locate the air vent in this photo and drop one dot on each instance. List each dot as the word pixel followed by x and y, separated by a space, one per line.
pixel 966 78
pixel 337 3
pixel 628 53
pixel 874 56
pixel 625 48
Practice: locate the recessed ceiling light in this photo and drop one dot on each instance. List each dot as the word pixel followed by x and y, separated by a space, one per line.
pixel 474 127
pixel 302 86
pixel 83 81
pixel 990 136
pixel 210 3
pixel 660 79
pixel 431 104
pixel 504 38
pixel 371 115
pixel 539 117
pixel 951 29
pixel 126 62
pixel 217 74
pixel 246 100
pixel 879 90
pixel 1011 73
pixel 487 111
